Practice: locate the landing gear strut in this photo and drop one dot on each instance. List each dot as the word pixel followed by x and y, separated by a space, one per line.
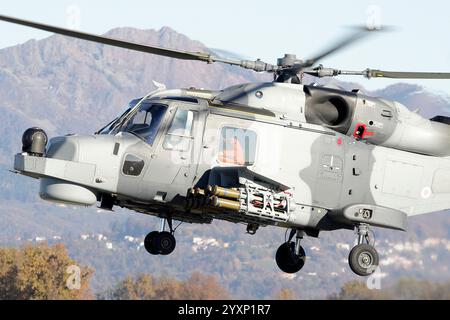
pixel 363 258
pixel 290 256
pixel 162 242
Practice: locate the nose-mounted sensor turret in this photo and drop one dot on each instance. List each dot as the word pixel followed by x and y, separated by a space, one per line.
pixel 34 141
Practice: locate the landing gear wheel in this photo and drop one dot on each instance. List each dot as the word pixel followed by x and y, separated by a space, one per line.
pixel 287 260
pixel 165 243
pixel 363 259
pixel 149 242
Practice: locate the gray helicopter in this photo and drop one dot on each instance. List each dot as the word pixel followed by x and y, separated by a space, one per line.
pixel 303 157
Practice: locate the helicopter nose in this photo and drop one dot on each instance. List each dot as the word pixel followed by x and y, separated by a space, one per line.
pixel 94 149
pixel 72 180
pixel 100 154
pixel 74 169
pixel 63 148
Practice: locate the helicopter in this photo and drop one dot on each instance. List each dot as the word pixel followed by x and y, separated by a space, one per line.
pixel 298 156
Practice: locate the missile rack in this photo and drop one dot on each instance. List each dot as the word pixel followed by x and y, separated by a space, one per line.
pixel 251 200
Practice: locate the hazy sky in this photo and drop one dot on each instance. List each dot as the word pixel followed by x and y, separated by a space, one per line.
pixel 267 29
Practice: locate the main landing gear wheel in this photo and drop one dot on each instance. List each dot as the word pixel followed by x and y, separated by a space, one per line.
pixel 287 260
pixel 363 259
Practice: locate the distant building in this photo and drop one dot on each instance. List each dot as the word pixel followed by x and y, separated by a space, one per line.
pixel 101 237
pixel 203 244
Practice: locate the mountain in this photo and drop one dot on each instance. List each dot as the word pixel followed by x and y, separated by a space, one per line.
pixel 74 80
pixel 417 98
pixel 65 86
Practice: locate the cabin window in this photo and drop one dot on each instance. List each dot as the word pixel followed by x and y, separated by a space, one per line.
pixel 237 146
pixel 132 165
pixel 179 135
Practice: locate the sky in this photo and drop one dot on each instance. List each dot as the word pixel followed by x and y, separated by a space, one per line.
pixel 268 29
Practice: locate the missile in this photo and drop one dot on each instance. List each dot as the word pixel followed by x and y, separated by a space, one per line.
pixel 198 191
pixel 225 203
pixel 224 192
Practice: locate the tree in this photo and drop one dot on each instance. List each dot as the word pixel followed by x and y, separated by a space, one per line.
pixel 40 273
pixel 141 288
pixel 411 289
pixel 286 294
pixel 203 287
pixel 147 287
pixel 403 289
pixel 357 290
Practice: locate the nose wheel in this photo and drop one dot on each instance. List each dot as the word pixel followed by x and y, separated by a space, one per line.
pixel 165 243
pixel 363 258
pixel 162 242
pixel 290 256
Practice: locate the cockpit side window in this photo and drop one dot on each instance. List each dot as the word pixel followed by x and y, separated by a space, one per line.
pixel 179 135
pixel 147 121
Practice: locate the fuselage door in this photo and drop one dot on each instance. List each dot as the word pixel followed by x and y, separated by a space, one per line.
pixel 172 159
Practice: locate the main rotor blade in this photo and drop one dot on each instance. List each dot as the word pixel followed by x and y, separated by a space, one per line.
pixel 406 75
pixel 257 65
pixel 345 42
pixel 321 72
pixel 178 54
pixel 360 33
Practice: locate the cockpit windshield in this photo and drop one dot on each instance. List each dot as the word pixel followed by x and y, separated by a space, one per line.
pixel 143 122
pixel 146 122
pixel 112 126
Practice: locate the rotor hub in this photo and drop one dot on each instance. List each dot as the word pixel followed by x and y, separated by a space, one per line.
pixel 288 60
